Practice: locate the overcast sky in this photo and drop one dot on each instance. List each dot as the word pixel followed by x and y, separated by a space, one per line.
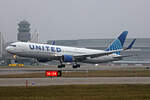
pixel 76 19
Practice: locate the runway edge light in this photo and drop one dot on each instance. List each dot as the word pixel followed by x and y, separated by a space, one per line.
pixel 52 73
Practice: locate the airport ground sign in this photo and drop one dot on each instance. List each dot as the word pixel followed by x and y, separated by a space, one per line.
pixel 53 73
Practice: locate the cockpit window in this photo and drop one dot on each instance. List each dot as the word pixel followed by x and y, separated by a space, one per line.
pixel 13 45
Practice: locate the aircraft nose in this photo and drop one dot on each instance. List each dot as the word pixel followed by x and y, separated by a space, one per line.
pixel 9 49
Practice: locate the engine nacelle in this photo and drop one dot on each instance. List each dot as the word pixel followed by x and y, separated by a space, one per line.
pixel 42 60
pixel 67 58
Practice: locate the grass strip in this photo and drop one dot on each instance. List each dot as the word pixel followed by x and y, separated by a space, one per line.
pixel 77 92
pixel 102 73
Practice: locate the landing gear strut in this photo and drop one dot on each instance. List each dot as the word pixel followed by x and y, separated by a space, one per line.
pixel 61 65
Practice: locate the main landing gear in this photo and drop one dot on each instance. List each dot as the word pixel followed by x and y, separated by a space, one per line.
pixel 75 65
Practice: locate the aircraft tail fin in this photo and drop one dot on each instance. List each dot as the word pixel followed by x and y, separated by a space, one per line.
pixel 118 43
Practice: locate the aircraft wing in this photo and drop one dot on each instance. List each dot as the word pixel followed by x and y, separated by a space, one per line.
pixel 99 54
pixel 82 56
pixel 123 56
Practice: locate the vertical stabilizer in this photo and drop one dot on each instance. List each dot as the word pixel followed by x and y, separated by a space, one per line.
pixel 118 43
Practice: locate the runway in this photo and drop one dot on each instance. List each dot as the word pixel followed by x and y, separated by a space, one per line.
pixel 72 81
pixel 15 70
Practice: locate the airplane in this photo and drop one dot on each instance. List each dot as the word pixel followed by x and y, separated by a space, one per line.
pixel 65 54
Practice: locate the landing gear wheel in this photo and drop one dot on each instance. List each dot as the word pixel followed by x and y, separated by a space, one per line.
pixel 78 65
pixel 16 61
pixel 75 65
pixel 61 66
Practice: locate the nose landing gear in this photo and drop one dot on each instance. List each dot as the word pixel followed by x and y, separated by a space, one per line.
pixel 61 65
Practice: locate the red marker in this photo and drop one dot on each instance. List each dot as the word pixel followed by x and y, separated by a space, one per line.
pixel 53 73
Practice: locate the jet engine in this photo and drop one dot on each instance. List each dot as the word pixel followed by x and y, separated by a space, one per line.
pixel 67 58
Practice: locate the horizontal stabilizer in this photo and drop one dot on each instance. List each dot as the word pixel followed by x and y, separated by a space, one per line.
pixel 130 46
pixel 123 56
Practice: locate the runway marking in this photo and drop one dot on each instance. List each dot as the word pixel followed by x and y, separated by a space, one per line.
pixel 71 81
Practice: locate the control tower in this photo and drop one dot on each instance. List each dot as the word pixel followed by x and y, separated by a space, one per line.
pixel 24 31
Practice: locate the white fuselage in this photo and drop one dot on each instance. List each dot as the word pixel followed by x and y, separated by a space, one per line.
pixel 52 52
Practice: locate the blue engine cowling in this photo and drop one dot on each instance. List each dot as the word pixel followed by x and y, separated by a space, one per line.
pixel 67 58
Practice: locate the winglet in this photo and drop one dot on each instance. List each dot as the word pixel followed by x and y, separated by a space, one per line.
pixel 130 46
pixel 53 42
